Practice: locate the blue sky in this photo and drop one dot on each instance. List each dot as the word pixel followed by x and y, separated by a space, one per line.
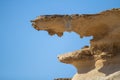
pixel 27 54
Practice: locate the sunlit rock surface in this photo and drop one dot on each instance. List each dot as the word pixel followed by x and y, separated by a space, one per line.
pixel 100 60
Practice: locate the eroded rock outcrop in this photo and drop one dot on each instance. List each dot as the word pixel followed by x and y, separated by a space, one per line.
pixel 100 60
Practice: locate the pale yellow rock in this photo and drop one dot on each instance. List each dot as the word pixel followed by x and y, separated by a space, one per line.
pixel 99 61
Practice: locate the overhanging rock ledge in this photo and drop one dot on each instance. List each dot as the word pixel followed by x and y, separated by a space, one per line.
pixel 100 60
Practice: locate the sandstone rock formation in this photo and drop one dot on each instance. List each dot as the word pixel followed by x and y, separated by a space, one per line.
pixel 100 60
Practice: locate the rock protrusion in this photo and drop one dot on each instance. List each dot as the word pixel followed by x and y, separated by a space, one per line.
pixel 100 60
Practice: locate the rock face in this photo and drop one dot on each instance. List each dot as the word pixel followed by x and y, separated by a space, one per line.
pixel 100 60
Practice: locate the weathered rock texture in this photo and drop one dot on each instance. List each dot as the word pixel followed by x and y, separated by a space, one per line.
pixel 100 60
